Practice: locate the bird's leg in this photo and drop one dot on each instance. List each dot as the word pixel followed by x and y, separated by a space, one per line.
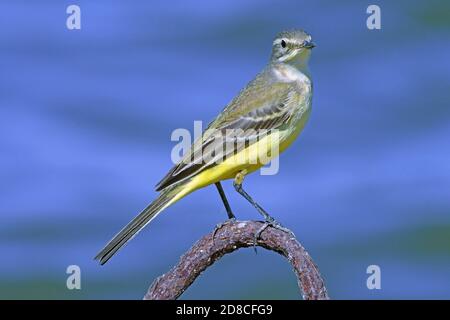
pixel 225 201
pixel 238 180
pixel 231 216
pixel 269 220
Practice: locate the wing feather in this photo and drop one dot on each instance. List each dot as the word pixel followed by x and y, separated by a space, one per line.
pixel 256 107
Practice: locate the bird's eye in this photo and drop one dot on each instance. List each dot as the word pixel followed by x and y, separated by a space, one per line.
pixel 283 43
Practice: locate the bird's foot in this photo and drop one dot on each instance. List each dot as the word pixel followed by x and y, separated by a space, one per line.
pixel 272 223
pixel 220 225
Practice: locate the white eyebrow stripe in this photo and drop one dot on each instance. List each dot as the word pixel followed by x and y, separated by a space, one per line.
pixel 290 41
pixel 277 41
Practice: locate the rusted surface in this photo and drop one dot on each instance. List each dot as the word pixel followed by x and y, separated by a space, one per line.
pixel 231 236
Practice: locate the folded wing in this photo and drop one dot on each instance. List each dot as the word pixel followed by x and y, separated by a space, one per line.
pixel 257 109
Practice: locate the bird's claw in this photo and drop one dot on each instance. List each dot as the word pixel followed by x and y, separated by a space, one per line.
pixel 220 225
pixel 273 224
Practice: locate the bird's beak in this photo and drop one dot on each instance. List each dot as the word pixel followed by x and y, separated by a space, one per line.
pixel 309 45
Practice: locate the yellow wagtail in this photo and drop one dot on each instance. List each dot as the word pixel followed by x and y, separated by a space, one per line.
pixel 277 100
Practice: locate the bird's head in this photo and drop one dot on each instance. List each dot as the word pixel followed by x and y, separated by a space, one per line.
pixel 292 47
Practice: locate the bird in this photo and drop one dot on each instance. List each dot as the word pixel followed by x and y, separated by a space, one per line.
pixel 272 109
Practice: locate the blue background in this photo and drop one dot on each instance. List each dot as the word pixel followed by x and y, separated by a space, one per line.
pixel 85 124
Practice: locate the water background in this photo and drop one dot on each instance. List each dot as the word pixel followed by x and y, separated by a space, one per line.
pixel 85 124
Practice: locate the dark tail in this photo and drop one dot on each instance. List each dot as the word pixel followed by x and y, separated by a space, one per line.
pixel 137 224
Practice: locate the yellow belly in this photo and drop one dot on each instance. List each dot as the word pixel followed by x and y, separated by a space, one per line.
pixel 250 159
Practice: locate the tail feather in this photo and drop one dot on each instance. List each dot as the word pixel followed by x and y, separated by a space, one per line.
pixel 138 223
